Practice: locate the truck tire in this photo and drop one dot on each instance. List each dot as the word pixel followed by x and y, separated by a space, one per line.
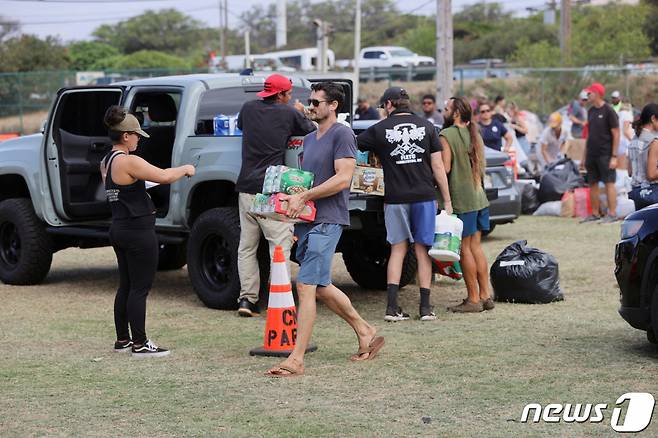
pixel 171 257
pixel 25 248
pixel 367 263
pixel 212 259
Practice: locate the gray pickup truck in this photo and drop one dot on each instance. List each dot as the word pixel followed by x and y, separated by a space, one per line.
pixel 52 197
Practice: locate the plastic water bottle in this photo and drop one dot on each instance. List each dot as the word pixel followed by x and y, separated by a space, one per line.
pixel 447 238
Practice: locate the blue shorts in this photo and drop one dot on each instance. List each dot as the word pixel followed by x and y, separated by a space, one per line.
pixel 413 222
pixel 474 221
pixel 316 246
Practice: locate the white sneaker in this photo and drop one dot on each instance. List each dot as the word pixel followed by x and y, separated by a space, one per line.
pixel 149 349
pixel 395 315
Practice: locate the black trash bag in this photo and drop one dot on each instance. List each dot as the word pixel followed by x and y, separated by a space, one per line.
pixel 529 198
pixel 522 274
pixel 558 178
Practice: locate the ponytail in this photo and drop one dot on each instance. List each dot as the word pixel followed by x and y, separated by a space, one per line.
pixel 649 110
pixel 476 148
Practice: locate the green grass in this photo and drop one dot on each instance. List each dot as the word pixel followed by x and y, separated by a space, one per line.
pixel 472 374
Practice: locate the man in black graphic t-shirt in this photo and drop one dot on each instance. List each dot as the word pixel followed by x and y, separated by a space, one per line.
pixel 409 150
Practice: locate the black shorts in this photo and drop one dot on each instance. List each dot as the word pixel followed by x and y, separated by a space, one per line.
pixel 598 170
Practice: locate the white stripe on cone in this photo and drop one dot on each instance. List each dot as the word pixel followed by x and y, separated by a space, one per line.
pixel 279 275
pixel 280 300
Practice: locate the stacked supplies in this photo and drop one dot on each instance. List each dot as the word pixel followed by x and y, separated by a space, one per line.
pixel 279 181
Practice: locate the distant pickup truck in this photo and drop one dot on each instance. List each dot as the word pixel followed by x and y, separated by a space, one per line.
pixel 392 56
pixel 52 196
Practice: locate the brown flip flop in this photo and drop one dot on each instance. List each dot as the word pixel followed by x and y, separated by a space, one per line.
pixel 372 349
pixel 284 371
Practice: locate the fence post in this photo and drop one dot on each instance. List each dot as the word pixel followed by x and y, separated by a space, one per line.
pixel 541 82
pixel 461 82
pixel 410 72
pixel 20 101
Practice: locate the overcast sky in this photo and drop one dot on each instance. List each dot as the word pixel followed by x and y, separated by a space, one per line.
pixel 77 19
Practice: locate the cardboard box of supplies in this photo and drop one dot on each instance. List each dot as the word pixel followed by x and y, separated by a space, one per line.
pixel 368 180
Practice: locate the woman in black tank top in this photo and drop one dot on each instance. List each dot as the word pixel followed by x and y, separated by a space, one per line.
pixel 132 232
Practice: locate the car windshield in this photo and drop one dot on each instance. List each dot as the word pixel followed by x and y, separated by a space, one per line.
pixel 401 52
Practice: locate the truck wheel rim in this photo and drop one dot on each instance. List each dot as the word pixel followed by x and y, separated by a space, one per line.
pixel 10 244
pixel 216 263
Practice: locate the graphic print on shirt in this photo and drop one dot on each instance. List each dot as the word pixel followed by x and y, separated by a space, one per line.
pixel 406 133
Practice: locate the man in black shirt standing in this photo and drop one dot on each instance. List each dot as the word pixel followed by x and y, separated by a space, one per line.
pixel 600 158
pixel 364 111
pixel 266 126
pixel 409 150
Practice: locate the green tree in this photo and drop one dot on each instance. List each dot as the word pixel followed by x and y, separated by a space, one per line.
pixel 85 54
pixel 29 53
pixel 150 59
pixel 609 34
pixel 167 31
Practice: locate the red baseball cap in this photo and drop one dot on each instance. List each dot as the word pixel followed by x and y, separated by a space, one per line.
pixel 275 84
pixel 597 88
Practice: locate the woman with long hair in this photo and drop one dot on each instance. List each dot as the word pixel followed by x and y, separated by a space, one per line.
pixel 132 232
pixel 643 158
pixel 464 162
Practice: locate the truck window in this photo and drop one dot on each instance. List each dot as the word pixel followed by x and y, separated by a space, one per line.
pixel 81 113
pixel 228 101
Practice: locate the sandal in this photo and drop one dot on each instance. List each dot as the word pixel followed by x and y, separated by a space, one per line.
pixel 372 349
pixel 284 371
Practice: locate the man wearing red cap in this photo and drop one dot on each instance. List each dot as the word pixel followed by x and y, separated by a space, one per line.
pixel 266 126
pixel 600 158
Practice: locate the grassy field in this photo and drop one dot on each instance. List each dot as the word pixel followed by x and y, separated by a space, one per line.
pixel 468 375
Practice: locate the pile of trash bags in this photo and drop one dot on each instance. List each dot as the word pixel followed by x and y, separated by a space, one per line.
pixel 522 274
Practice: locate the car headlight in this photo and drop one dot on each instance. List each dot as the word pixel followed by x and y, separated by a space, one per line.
pixel 630 228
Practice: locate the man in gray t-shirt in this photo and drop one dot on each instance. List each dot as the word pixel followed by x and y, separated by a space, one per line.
pixel 330 154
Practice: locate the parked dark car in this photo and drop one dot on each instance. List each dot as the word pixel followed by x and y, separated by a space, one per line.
pixel 504 197
pixel 636 270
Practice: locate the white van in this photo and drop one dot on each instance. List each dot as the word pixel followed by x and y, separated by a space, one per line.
pixel 392 56
pixel 303 59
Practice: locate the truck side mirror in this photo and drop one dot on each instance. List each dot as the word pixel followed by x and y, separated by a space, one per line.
pixel 383 56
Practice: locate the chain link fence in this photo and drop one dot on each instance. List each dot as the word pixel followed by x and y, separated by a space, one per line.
pixel 25 98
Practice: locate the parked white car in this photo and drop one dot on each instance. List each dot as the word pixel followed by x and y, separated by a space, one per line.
pixel 392 56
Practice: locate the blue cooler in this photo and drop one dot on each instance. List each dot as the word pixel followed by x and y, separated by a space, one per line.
pixel 221 124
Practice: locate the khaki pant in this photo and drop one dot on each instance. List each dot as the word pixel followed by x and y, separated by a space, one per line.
pixel 276 233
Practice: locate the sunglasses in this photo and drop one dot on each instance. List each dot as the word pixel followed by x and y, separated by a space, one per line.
pixel 315 102
pixel 485 111
pixel 429 102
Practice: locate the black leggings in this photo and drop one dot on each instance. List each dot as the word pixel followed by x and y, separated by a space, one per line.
pixel 136 246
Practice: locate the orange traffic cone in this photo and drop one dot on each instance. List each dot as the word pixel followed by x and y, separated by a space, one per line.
pixel 281 325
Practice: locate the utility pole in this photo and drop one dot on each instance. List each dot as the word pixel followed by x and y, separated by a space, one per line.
pixel 565 31
pixel 444 51
pixel 222 42
pixel 357 50
pixel 247 48
pixel 322 32
pixel 281 24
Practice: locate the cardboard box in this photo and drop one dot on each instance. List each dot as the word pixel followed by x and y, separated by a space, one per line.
pixel 368 180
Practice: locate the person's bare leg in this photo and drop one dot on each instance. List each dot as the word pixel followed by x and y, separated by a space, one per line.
pixel 339 303
pixel 395 260
pixel 306 313
pixel 481 266
pixel 469 269
pixel 611 194
pixel 594 198
pixel 424 265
